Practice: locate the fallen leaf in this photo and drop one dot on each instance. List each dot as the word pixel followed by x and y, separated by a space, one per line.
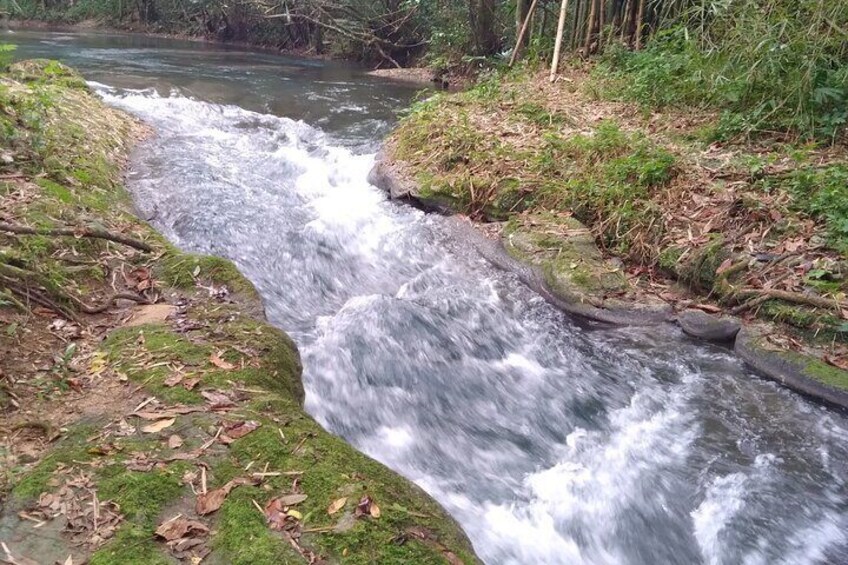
pixel 175 441
pixel 375 510
pixel 708 308
pixel 363 508
pixel 291 499
pixel 216 360
pixel 158 426
pixel 295 514
pixel 217 399
pixel 241 429
pixel 173 380
pixel 726 264
pixel 141 464
pixel 176 528
pixel 189 384
pixel 336 506
pixel 212 500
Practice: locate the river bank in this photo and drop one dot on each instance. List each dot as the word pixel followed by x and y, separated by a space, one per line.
pixel 630 216
pixel 148 410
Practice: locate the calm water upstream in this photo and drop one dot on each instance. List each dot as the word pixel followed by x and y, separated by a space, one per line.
pixel 549 441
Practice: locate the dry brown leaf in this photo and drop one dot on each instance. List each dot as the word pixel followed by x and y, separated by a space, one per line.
pixel 158 426
pixel 180 527
pixel 189 384
pixel 241 429
pixel 217 399
pixel 291 499
pixel 212 500
pixel 336 506
pixel 173 380
pixel 375 510
pixel 175 441
pixel 726 264
pixel 221 363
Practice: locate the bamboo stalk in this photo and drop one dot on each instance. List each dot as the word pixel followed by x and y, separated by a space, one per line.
pixel 522 32
pixel 639 17
pixel 590 27
pixel 563 8
pixel 601 17
pixel 625 20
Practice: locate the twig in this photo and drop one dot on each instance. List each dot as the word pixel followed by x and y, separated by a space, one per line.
pixel 794 297
pixel 76 232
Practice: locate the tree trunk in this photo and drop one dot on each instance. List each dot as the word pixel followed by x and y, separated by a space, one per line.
pixel 558 43
pixel 522 7
pixel 590 27
pixel 639 17
pixel 481 16
pixel 522 33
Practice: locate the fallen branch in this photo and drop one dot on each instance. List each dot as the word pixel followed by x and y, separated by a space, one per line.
pixel 758 296
pixel 86 309
pixel 76 232
pixel 19 281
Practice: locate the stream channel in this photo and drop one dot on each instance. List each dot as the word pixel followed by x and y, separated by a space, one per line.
pixel 550 440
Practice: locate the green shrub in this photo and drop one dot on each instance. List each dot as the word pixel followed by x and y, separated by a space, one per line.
pixel 769 66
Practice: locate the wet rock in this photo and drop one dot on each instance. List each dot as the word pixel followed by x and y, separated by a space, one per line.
pixel 573 274
pixel 803 374
pixel 390 177
pixel 697 323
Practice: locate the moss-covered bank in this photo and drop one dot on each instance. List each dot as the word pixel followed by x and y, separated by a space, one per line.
pixel 118 419
pixel 617 206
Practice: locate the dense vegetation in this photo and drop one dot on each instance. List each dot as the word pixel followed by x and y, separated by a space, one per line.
pixel 769 66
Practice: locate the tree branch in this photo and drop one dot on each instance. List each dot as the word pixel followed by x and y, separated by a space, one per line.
pixel 77 232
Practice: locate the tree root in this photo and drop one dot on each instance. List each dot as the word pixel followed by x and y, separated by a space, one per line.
pixel 84 308
pixel 77 232
pixel 755 297
pixel 9 297
pixel 25 284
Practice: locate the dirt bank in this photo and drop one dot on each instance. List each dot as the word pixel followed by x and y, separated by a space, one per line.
pixel 148 413
pixel 627 216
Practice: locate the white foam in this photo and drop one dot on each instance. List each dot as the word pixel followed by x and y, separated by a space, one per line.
pixel 724 499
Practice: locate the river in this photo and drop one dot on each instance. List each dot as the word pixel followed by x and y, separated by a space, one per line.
pixel 550 440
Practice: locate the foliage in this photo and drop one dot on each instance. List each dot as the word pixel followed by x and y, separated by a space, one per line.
pixel 773 66
pixel 5 55
pixel 823 193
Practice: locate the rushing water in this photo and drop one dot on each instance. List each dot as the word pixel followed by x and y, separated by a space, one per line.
pixel 549 440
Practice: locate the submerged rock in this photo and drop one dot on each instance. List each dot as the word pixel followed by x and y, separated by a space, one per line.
pixel 697 323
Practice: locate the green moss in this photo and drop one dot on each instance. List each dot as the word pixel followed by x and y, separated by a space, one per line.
pixel 244 536
pixel 571 263
pixel 37 480
pixel 669 259
pixel 140 495
pixel 797 316
pixel 182 270
pixel 164 346
pixel 72 447
pixel 827 374
pixel 331 469
pixel 56 190
pixel 132 545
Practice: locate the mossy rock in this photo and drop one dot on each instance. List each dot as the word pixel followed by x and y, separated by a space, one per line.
pixel 565 250
pixel 182 270
pixel 804 374
pixel 46 70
